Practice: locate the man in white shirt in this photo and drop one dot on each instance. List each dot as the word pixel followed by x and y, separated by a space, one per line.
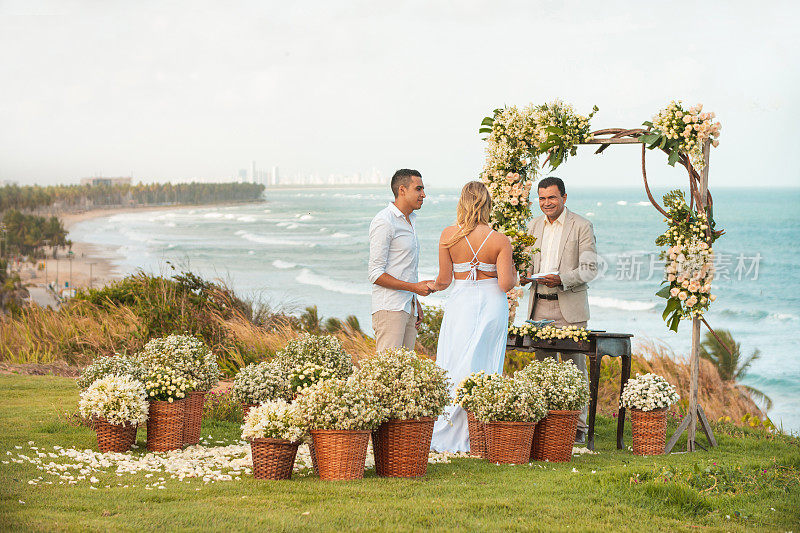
pixel 393 262
pixel 568 255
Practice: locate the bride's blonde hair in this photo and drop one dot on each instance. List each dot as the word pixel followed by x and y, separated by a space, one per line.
pixel 473 209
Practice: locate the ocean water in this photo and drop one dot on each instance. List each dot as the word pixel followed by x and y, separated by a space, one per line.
pixel 309 247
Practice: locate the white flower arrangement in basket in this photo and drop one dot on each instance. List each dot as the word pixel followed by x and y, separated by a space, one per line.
pixel 341 404
pixel 409 386
pixel 563 384
pixel 502 399
pixel 303 376
pixel 167 384
pixel 648 392
pixel 188 355
pixel 121 400
pixel 274 419
pixel 115 365
pixel 463 393
pixel 323 350
pixel 260 382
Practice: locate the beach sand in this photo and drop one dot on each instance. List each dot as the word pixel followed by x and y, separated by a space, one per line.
pixel 91 265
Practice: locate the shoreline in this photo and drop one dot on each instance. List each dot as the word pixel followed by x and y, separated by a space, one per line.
pixel 92 266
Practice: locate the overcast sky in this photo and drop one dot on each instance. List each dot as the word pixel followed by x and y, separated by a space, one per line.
pixel 183 89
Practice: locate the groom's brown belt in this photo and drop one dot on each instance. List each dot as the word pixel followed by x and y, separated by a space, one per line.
pixel 553 296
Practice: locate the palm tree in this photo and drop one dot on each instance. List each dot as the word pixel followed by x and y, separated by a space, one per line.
pixel 731 365
pixel 311 320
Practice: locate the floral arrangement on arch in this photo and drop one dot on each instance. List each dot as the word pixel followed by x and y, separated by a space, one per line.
pixel 407 385
pixel 323 350
pixel 261 382
pixel 689 261
pixel 516 140
pixel 550 332
pixel 676 129
pixel 167 384
pixel 188 355
pixel 120 399
pixel 648 392
pixel 274 419
pixel 563 384
pixel 341 404
pixel 114 365
pixel 507 399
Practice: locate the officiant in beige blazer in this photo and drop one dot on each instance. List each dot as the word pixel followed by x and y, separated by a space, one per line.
pixel 569 254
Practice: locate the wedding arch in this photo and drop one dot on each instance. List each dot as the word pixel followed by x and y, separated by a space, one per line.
pixel 518 138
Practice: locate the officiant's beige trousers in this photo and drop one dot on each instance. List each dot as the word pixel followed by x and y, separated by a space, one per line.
pixel 549 310
pixel 394 329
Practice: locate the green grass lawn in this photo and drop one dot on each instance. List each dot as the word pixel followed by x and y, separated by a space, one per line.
pixel 750 482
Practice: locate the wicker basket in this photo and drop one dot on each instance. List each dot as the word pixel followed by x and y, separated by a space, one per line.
pixel 193 417
pixel 649 431
pixel 313 455
pixel 114 437
pixel 273 458
pixel 509 442
pixel 401 447
pixel 477 436
pixel 246 408
pixel 555 436
pixel 165 425
pixel 340 454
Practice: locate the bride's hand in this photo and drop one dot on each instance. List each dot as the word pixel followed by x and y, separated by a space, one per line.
pixel 432 286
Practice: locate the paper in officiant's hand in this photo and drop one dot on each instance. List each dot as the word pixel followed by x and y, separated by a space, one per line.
pixel 540 275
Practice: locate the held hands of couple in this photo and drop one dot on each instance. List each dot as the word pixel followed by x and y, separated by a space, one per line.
pixel 423 288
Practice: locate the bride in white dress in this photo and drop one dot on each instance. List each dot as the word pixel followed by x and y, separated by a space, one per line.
pixel 473 335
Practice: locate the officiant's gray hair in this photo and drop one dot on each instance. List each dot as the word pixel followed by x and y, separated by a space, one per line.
pixel 402 178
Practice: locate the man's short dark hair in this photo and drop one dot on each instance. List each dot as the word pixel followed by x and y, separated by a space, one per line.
pixel 403 177
pixel 549 182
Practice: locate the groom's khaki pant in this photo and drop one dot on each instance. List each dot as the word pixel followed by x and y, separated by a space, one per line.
pixel 394 329
pixel 549 310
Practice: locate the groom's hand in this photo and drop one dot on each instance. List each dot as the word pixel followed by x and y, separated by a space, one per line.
pixel 524 280
pixel 551 280
pixel 422 288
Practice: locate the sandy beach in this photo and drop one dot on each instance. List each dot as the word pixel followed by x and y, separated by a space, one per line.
pixel 91 265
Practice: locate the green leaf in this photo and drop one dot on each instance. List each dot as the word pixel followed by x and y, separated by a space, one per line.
pixel 485 130
pixel 487 121
pixel 672 306
pixel 647 123
pixel 664 291
pixel 663 141
pixel 554 129
pixel 673 157
pixel 675 322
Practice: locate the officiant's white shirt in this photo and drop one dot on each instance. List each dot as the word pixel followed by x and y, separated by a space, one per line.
pixel 394 250
pixel 551 238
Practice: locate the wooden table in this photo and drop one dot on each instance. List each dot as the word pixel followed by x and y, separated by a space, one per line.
pixel 599 343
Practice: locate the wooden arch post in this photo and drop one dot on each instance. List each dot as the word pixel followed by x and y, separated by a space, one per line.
pixel 699 185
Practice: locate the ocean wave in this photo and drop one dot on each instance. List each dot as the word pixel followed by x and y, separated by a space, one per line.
pixel 615 303
pixel 642 203
pixel 307 277
pixel 340 235
pixel 213 215
pixel 273 241
pixel 246 218
pixel 283 265
pixel 305 217
pixel 622 202
pixel 589 214
pixel 783 317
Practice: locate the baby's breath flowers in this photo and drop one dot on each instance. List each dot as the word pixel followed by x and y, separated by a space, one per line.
pixel 115 365
pixel 259 382
pixel 303 376
pixel 275 419
pixel 648 392
pixel 463 393
pixel 409 386
pixel 689 261
pixel 188 355
pixel 562 383
pixel 166 384
pixel 343 404
pixel 323 350
pixel 121 400
pixel 499 398
pixel 573 333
